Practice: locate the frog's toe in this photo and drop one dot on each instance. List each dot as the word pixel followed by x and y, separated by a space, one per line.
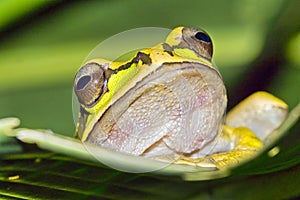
pixel 199 162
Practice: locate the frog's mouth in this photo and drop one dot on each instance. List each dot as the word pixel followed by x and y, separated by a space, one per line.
pixel 178 108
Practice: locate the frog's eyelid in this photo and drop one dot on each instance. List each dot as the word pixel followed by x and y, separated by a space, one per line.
pixel 100 62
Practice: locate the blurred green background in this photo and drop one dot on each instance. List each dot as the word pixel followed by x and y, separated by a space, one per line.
pixel 43 43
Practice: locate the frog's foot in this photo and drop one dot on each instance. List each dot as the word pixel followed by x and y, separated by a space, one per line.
pixel 199 162
pixel 261 112
pixel 246 146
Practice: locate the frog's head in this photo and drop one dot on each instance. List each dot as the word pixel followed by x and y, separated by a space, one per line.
pixel 165 99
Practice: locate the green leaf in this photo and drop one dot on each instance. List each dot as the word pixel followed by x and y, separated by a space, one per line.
pixel 12 10
pixel 57 176
pixel 50 176
pixel 8 145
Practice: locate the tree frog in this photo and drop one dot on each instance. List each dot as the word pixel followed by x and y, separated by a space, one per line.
pixel 168 103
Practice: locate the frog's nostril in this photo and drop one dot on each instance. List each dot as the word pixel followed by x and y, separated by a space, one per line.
pixel 202 36
pixel 82 82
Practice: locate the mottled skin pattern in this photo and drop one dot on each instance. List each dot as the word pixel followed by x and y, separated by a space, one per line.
pixel 168 103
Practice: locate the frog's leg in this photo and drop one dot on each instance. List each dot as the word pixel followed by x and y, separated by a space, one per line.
pixel 261 112
pixel 245 145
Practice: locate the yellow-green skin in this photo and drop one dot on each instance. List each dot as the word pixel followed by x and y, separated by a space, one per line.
pixel 246 127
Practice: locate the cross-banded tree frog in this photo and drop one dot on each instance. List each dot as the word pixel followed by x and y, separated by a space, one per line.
pixel 168 102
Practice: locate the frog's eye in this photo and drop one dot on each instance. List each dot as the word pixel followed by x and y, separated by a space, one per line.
pixel 90 83
pixel 204 44
pixel 202 37
pixel 198 41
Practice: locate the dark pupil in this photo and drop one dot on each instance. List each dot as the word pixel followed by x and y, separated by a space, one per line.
pixel 202 36
pixel 82 82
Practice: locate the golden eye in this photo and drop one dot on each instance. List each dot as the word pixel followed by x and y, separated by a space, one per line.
pixel 90 83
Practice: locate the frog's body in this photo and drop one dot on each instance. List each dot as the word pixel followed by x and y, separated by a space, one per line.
pixel 168 102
